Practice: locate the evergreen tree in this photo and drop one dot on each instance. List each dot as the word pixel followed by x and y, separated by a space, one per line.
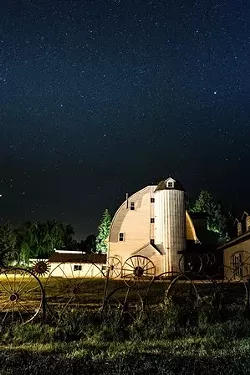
pixel 216 219
pixel 103 232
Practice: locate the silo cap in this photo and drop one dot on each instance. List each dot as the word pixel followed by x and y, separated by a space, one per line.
pixel 169 184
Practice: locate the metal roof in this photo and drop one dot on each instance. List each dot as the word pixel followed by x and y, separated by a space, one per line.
pixel 163 185
pixel 77 258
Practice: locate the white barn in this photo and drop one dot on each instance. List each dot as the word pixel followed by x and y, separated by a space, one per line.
pixel 153 222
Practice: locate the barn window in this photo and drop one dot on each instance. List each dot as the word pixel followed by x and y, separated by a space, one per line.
pixel 152 220
pixel 77 267
pixel 152 200
pixel 132 206
pixel 121 236
pixel 170 184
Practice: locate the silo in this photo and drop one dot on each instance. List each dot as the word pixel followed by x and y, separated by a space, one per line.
pixel 170 219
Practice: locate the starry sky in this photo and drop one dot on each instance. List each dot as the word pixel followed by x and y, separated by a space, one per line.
pixel 99 98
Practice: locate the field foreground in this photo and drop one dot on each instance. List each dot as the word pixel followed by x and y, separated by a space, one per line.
pixel 166 339
pixel 80 344
pixel 189 355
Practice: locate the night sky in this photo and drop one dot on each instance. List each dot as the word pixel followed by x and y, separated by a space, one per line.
pixel 103 97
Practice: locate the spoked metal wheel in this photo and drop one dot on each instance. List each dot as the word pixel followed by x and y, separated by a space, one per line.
pixel 210 259
pixel 240 263
pixel 114 267
pixel 138 271
pixel 41 267
pixel 157 290
pixel 182 292
pixel 122 305
pixel 21 296
pixel 71 286
pixel 190 264
pixel 232 290
pixel 206 289
pixel 167 276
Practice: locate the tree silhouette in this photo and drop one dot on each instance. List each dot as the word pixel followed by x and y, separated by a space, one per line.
pixel 89 245
pixel 39 239
pixel 8 238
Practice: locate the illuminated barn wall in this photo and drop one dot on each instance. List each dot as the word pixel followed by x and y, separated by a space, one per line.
pixel 236 253
pixel 153 222
pixel 170 228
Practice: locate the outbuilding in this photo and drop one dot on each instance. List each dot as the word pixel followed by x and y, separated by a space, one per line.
pixel 236 253
pixel 154 222
pixel 65 263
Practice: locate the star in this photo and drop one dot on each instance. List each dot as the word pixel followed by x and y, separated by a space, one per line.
pixel 90 95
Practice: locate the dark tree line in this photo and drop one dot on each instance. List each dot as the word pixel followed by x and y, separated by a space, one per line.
pixel 35 239
pixel 39 239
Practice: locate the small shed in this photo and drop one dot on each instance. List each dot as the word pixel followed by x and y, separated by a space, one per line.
pixel 71 264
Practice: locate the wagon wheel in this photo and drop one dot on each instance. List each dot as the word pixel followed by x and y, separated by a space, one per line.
pixel 167 276
pixel 41 267
pixel 71 286
pixel 211 257
pixel 205 259
pixel 190 264
pixel 138 271
pixel 232 290
pixel 21 296
pixel 240 263
pixel 206 289
pixel 122 305
pixel 182 292
pixel 208 260
pixel 114 266
pixel 156 293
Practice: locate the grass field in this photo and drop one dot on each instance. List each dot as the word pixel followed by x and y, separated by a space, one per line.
pixel 168 338
pixel 167 342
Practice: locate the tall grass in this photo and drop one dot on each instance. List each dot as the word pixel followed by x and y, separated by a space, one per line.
pixel 167 339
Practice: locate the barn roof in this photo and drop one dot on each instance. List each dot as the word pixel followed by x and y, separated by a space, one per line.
pixel 242 238
pixel 240 216
pixel 245 214
pixel 162 185
pixel 77 258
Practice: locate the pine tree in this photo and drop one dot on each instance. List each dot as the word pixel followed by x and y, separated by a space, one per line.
pixel 103 232
pixel 216 219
